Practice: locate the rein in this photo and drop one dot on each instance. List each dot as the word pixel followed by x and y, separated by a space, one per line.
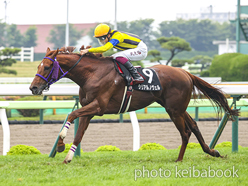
pixel 55 72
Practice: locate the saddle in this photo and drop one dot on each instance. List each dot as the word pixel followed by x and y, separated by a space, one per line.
pixel 151 81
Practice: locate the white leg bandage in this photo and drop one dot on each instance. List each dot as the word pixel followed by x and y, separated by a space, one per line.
pixel 70 154
pixel 64 130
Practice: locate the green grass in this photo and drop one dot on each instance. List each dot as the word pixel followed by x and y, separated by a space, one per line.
pixel 119 168
pixel 24 69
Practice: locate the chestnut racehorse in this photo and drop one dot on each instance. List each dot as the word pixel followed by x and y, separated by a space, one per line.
pixel 101 91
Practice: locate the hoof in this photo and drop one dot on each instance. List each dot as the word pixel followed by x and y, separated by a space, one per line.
pixel 217 154
pixel 60 148
pixel 66 162
pixel 178 160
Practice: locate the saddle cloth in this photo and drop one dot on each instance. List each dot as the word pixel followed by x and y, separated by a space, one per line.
pixel 151 82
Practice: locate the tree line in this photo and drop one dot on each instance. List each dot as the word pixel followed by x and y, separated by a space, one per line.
pixel 199 34
pixel 174 36
pixel 10 36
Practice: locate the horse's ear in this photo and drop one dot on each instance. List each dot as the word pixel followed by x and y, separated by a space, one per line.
pixel 62 49
pixel 89 46
pixel 82 47
pixel 70 49
pixel 48 50
pixel 55 53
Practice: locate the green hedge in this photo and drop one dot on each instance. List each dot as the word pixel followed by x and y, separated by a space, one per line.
pixel 192 146
pixel 23 150
pixel 152 146
pixel 226 144
pixel 230 67
pixel 107 148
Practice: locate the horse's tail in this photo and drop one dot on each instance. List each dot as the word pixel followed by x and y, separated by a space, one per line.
pixel 213 94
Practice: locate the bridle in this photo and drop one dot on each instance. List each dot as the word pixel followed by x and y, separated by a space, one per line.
pixel 55 72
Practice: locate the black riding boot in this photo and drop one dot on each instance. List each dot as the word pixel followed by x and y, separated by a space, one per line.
pixel 134 73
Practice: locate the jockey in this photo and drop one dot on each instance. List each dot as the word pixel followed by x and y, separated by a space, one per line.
pixel 131 46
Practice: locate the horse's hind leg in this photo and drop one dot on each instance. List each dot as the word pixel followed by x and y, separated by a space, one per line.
pixel 194 128
pixel 184 130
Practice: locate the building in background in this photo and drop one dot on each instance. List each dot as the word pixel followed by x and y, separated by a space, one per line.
pixel 43 32
pixel 231 47
pixel 208 13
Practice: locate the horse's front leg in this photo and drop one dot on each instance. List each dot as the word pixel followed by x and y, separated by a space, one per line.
pixel 62 135
pixel 86 112
pixel 83 125
pixel 91 109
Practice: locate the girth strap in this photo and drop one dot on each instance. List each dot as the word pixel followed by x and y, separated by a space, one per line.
pixel 127 96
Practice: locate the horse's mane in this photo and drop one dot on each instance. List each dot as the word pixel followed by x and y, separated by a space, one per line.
pixel 69 51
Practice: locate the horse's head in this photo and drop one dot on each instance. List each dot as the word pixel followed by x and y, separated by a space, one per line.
pixel 45 73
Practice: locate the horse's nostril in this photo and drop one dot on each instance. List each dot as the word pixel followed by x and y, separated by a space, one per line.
pixel 33 88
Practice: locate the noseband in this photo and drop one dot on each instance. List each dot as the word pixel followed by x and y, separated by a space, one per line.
pixel 55 72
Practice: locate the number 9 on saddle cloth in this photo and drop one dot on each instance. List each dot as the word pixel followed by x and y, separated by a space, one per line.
pixel 151 82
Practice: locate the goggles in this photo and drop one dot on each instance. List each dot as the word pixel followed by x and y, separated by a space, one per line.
pixel 101 40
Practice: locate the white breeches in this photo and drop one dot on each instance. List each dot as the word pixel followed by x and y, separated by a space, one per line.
pixel 134 54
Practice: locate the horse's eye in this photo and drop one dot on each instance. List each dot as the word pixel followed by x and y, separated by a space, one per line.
pixel 46 68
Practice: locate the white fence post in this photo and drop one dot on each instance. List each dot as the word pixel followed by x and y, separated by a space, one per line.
pixel 32 54
pixel 6 131
pixel 22 54
pixel 136 131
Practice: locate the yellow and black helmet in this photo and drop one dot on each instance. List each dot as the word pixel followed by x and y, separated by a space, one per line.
pixel 101 30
